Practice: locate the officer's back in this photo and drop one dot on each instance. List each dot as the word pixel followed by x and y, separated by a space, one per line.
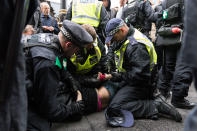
pixel 140 14
pixel 52 92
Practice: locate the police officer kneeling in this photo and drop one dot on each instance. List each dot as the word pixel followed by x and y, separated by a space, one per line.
pixel 135 58
pixel 53 95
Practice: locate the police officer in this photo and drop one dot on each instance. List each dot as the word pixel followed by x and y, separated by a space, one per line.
pixel 90 12
pixel 88 63
pixel 53 94
pixel 181 82
pixel 140 14
pixel 93 56
pixel 171 42
pixel 135 58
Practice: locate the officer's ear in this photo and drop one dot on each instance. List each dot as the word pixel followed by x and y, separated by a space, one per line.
pixel 124 29
pixel 68 44
pixel 121 29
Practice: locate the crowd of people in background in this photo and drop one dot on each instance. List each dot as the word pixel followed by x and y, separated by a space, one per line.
pixel 93 57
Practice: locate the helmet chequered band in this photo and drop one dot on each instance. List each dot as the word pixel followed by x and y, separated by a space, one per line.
pixel 66 34
pixel 116 29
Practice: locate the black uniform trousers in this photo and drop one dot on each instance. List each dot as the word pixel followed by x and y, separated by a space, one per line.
pixel 140 104
pixel 174 74
pixel 182 79
pixel 37 123
pixel 166 72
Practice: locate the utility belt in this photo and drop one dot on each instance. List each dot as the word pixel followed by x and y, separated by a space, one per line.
pixel 169 35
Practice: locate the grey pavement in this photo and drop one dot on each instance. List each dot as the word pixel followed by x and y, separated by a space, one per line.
pixel 97 122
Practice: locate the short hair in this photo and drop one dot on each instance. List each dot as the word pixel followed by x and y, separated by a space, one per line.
pixel 44 4
pixel 90 29
pixel 28 28
pixel 64 39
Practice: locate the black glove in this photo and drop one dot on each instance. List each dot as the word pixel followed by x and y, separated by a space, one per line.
pixel 91 81
pixel 77 108
pixel 116 77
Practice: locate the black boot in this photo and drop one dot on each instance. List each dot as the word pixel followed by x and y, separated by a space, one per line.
pixel 154 117
pixel 164 108
pixel 182 103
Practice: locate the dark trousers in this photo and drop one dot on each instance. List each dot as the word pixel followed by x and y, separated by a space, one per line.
pixel 191 121
pixel 166 72
pixel 159 51
pixel 174 74
pixel 128 99
pixel 182 79
pixel 37 123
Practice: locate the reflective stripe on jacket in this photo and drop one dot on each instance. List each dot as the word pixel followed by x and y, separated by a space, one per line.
pixel 89 63
pixel 86 12
pixel 140 38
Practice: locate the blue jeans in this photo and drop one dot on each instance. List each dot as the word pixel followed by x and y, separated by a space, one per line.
pixel 112 87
